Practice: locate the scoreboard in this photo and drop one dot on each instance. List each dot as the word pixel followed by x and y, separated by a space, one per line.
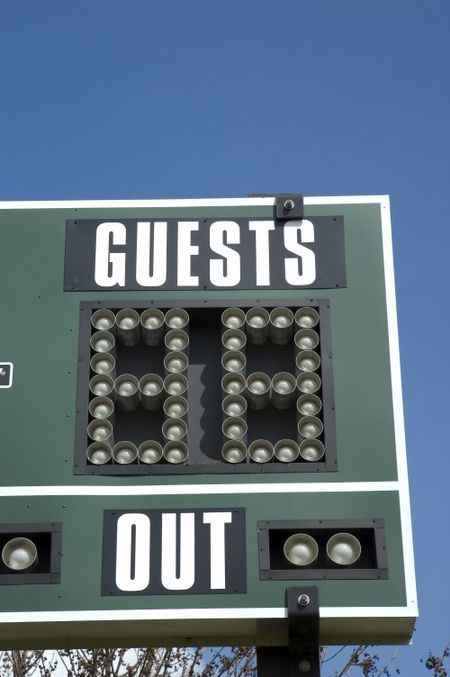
pixel 200 407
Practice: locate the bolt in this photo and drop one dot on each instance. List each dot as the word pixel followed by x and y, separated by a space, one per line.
pixel 304 666
pixel 303 600
pixel 289 205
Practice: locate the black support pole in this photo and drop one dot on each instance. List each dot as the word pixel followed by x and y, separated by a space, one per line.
pixel 301 656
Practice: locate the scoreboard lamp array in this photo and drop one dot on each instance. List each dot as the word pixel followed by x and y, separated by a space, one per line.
pixel 204 388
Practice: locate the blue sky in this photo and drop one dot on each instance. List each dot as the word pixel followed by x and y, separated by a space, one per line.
pixel 141 99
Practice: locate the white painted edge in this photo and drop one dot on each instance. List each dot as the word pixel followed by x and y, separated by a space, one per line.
pixel 199 489
pixel 211 202
pixel 193 614
pixel 397 402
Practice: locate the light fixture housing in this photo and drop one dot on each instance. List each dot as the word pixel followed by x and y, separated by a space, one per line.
pixel 284 546
pixel 31 553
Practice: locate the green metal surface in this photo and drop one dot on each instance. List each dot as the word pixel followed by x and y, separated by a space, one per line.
pixel 82 519
pixel 39 334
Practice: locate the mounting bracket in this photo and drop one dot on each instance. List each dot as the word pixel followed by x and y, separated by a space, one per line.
pixel 301 656
pixel 288 206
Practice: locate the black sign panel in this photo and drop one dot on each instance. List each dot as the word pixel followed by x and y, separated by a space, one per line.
pixel 171 254
pixel 192 551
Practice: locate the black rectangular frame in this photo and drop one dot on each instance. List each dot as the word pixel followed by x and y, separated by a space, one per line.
pixel 266 573
pixel 208 466
pixel 53 530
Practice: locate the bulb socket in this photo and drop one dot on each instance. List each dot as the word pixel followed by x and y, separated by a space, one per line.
pixel 175 363
pixel 310 427
pixel 126 392
pixel 102 408
pixel 176 452
pixel 101 385
pixel 100 430
pixel 128 328
pixel 233 318
pixel 260 451
pixel 234 451
pixel 308 382
pixel 151 392
pixel 233 339
pixel 99 453
pixel 309 405
pixel 124 453
pixel 301 550
pixel 281 326
pixel 176 406
pixel 103 363
pixel 19 554
pixel 233 383
pixel 257 390
pixel 306 339
pixel 234 405
pixel 103 342
pixel 307 360
pixel 312 450
pixel 152 326
pixel 257 325
pixel 175 384
pixel 104 320
pixel 284 390
pixel 234 428
pixel 234 361
pixel 177 318
pixel 177 340
pixel 174 429
pixel 343 549
pixel 286 451
pixel 150 452
pixel 306 318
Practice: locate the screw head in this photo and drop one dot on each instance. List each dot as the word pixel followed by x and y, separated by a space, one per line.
pixel 304 666
pixel 303 600
pixel 289 204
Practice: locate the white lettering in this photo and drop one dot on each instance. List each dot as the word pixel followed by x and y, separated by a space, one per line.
pixel 186 251
pixel 307 256
pixel 186 577
pixel 217 521
pixel 109 233
pixel 262 256
pixel 146 255
pixel 133 555
pixel 231 233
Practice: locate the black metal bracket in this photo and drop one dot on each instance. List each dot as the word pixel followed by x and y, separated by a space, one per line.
pixel 302 655
pixel 288 206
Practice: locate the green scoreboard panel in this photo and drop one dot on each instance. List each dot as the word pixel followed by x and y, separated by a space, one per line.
pixel 200 407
